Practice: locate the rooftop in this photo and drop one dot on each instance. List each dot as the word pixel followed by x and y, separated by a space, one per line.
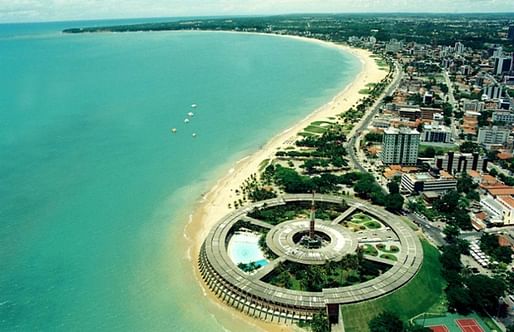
pixel 501 191
pixel 471 113
pixel 507 200
pixel 428 177
pixel 436 127
pixel 481 215
pixel 489 179
pixel 504 155
pixel 474 174
pixel 401 130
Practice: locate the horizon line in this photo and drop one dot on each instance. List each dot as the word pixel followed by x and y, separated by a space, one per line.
pixel 481 13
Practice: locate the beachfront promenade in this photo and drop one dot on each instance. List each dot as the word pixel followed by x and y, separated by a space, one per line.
pixel 250 294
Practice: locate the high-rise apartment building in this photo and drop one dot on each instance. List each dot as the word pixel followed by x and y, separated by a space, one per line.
pixel 400 146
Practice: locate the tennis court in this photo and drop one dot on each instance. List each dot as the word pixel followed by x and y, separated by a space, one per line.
pixel 439 328
pixel 469 325
pixel 454 323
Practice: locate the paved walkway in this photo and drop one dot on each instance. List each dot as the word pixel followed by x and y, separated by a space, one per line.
pixel 344 215
pixel 257 222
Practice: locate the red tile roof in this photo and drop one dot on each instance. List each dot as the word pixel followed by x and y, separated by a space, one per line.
pixel 508 200
pixel 501 191
pixel 504 155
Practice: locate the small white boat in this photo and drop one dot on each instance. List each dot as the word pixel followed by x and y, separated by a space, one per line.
pixel 191 114
pixel 194 135
pixel 186 120
pixel 194 106
pixel 174 130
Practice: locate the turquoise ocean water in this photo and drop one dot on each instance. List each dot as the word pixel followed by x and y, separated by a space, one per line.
pixel 95 191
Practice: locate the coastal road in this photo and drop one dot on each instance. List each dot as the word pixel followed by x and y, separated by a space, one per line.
pixel 352 145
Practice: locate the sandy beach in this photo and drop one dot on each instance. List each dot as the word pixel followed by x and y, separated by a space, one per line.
pixel 214 205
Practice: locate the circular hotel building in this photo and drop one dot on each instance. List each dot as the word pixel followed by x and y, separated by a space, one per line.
pixel 262 259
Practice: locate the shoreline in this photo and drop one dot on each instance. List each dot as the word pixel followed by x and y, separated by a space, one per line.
pixel 214 204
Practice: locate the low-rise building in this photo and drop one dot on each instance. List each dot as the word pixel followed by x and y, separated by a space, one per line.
pixel 500 209
pixel 493 135
pixel 421 182
pixel 470 122
pixel 473 106
pixel 410 113
pixel 504 104
pixel 428 98
pixel 508 203
pixel 427 113
pixel 383 121
pixel 492 208
pixel 503 116
pixel 436 133
pixel 478 221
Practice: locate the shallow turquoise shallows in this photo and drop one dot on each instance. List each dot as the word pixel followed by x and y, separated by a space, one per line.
pixel 95 189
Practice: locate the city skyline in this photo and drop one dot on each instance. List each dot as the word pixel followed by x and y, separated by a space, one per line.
pixel 18 11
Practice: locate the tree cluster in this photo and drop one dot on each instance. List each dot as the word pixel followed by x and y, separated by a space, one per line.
pixel 292 182
pixel 466 186
pixel 276 214
pixel 350 270
pixel 469 147
pixel 329 146
pixel 490 245
pixel 374 137
pixel 465 292
pixel 453 207
pixel 367 188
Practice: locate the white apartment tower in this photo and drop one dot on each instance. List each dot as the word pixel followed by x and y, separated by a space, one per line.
pixel 400 146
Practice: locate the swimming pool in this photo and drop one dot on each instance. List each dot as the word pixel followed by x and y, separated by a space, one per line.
pixel 244 248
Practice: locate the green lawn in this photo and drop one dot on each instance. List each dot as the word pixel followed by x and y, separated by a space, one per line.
pixel 382 64
pixel 491 324
pixel 263 165
pixel 361 217
pixel 370 250
pixel 423 293
pixel 391 250
pixel 389 256
pixel 439 149
pixel 347 128
pixel 369 222
pixel 305 134
pixel 321 123
pixel 364 91
pixel 315 129
pixel 372 224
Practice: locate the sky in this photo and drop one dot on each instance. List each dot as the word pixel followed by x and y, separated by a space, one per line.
pixel 60 10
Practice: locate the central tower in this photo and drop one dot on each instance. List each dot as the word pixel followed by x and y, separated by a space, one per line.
pixel 313 218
